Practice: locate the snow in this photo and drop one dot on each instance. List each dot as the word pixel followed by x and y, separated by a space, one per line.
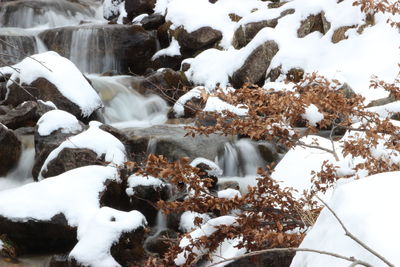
pixel 229 193
pixel 62 73
pixel 58 119
pixel 215 104
pixel 112 7
pixel 100 232
pixel 313 115
pixel 179 106
pixel 205 230
pixel 215 170
pixel 74 193
pixel 352 61
pixel 172 50
pixel 365 206
pixel 140 180
pixel 95 139
pixel 186 223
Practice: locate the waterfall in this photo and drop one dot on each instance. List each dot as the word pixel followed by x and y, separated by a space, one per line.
pixel 240 158
pixel 21 174
pixel 124 106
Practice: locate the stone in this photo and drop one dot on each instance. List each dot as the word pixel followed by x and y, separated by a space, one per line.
pixel 295 75
pixel 134 8
pixel 10 150
pixel 255 66
pixel 153 21
pixel 156 243
pixel 71 158
pixel 313 23
pixel 165 61
pixel 340 34
pixel 128 250
pixel 163 36
pixel 245 33
pixel 24 115
pixel 42 89
pixel 202 38
pixel 34 236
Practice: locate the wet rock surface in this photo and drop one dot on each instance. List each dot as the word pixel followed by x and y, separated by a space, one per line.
pixel 10 149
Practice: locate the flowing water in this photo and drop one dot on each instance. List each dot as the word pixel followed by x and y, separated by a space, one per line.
pixel 86 42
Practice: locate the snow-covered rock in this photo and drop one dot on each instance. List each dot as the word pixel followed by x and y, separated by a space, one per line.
pixel 48 76
pixel 365 206
pixel 100 142
pixel 58 120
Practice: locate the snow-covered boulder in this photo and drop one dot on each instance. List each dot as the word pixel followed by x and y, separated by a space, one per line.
pixel 43 216
pixel 25 114
pixel 201 38
pixel 145 190
pixel 93 144
pixel 50 77
pixel 10 149
pixel 110 238
pixel 366 207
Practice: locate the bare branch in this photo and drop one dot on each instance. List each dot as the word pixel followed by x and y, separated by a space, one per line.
pixel 277 250
pixel 349 234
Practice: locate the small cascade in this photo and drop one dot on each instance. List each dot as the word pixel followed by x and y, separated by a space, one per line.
pixel 124 106
pixel 57 13
pixel 161 221
pixel 90 50
pixel 21 174
pixel 240 158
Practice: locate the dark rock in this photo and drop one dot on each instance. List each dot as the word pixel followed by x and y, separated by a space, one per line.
pixel 157 243
pixel 268 152
pixel 42 89
pixel 70 158
pixel 280 259
pixel 136 7
pixel 62 260
pixel 128 250
pixel 144 199
pixel 245 33
pixel 153 21
pixel 204 37
pixel 191 108
pixel 24 115
pixel 165 61
pixel 131 47
pixel 34 236
pixel 15 48
pixel 43 147
pixel 4 109
pixel 340 34
pixel 314 23
pixel 295 75
pixel 9 250
pixel 163 34
pixel 274 74
pixel 115 196
pixel 185 66
pixel 168 84
pixel 255 66
pixel 10 150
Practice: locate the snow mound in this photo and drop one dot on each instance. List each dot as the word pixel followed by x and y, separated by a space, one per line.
pixel 229 193
pixel 179 106
pixel 62 73
pixel 58 119
pixel 140 180
pixel 95 139
pixel 215 170
pixel 186 223
pixel 74 193
pixel 174 49
pixel 365 206
pixel 99 233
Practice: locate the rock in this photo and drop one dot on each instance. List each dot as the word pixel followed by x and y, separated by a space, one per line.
pixel 70 158
pixel 128 250
pixel 340 34
pixel 134 8
pixel 268 152
pixel 228 184
pixel 24 115
pixel 295 75
pixel 165 61
pixel 282 259
pixel 44 145
pixel 313 23
pixel 157 244
pixel 14 48
pixel 8 250
pixel 144 198
pixel 170 141
pixel 10 150
pixel 42 89
pixel 255 66
pixel 381 101
pixel 163 34
pixel 168 84
pixel 153 21
pixel 124 48
pixel 202 38
pixel 34 236
pixel 61 260
pixel 245 33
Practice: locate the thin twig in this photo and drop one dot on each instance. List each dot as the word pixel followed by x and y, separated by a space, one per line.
pixel 277 250
pixel 333 143
pixel 349 234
